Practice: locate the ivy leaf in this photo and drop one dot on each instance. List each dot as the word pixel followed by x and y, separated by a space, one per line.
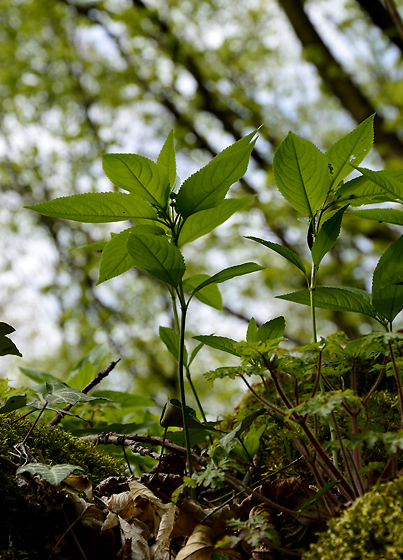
pixel 60 392
pixel 167 160
pixel 54 475
pixel 301 174
pixel 138 175
pixel 387 294
pixel 171 340
pixel 228 274
pixel 336 299
pixel 207 187
pixel 210 295
pixel 283 251
pixel 203 222
pixel 351 149
pixel 157 256
pixel 387 215
pixel 7 346
pixel 96 208
pixel 327 236
pixel 219 343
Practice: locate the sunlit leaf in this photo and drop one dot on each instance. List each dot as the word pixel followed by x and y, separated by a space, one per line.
pixel 61 393
pixel 167 159
pixel 219 342
pixel 210 295
pixel 327 236
pixel 387 294
pixel 387 215
pixel 283 251
pixel 54 475
pixel 171 340
pixel 229 273
pixel 273 329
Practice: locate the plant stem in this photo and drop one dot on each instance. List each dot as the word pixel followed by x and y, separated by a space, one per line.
pixel 312 287
pixel 398 381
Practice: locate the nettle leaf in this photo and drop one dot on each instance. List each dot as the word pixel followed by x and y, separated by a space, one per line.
pixel 283 251
pixel 273 329
pixel 171 340
pixel 301 174
pixel 351 149
pixel 167 159
pixel 360 191
pixel 7 346
pixel 388 215
pixel 207 187
pixel 54 475
pixel 219 343
pixel 203 222
pixel 96 208
pixel 228 274
pixel 61 393
pixel 389 180
pixel 210 295
pixel 387 295
pixel 327 236
pixel 157 256
pixel 138 175
pixel 336 299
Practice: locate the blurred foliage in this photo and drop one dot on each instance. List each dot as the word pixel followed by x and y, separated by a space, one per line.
pixel 78 79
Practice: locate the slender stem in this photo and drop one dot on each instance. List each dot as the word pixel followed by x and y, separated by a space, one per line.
pixel 398 381
pixel 34 424
pixel 312 287
pixel 182 383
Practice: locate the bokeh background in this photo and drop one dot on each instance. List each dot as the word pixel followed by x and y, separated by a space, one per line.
pixel 81 78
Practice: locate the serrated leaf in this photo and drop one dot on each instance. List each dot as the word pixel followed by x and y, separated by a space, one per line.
pixel 221 373
pixel 96 208
pixel 327 236
pixel 171 340
pixel 138 175
pixel 207 187
pixel 301 174
pixel 351 149
pixel 241 427
pixel 210 295
pixel 273 329
pixel 387 295
pixel 60 392
pixel 116 258
pixel 228 274
pixel 203 222
pixel 167 159
pixel 157 256
pixel 360 191
pixel 251 333
pixel 336 299
pixel 387 215
pixel 389 180
pixel 39 376
pixel 13 403
pixel 54 475
pixel 283 251
pixel 219 343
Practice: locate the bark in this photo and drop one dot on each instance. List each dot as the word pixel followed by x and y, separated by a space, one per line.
pixel 382 19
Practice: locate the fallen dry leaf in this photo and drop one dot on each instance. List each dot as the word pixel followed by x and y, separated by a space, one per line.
pixel 199 545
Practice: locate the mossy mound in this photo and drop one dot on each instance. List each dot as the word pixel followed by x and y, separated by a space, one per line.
pixel 372 528
pixel 22 529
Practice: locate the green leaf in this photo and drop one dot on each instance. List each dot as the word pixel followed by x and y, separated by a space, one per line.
pixel 157 256
pixel 361 190
pixel 232 372
pixel 387 295
pixel 251 333
pixel 319 495
pixel 210 295
pixel 327 236
pixel 207 187
pixel 203 222
pixel 336 299
pixel 96 208
pixel 273 329
pixel 171 416
pixel 219 343
pixel 13 403
pixel 167 160
pixel 6 329
pixel 7 346
pixel 388 215
pixel 389 180
pixel 241 427
pixel 228 273
pixel 39 376
pixel 138 175
pixel 351 149
pixel 54 475
pixel 61 393
pixel 283 251
pixel 301 173
pixel 96 356
pixel 195 351
pixel 125 400
pixel 171 340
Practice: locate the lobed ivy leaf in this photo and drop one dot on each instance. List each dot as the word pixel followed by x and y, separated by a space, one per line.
pixel 387 292
pixel 207 187
pixel 167 159
pixel 210 295
pixel 60 392
pixel 204 221
pixel 351 149
pixel 138 175
pixel 96 208
pixel 283 251
pixel 301 174
pixel 336 299
pixel 54 475
pixel 157 256
pixel 327 236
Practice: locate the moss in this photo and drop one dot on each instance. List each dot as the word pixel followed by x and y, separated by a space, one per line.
pixel 372 528
pixel 21 530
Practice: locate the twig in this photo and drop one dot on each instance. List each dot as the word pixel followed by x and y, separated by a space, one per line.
pixel 97 379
